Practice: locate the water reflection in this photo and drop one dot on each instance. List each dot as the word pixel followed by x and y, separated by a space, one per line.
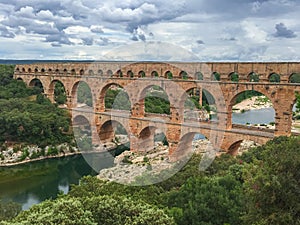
pixel 32 183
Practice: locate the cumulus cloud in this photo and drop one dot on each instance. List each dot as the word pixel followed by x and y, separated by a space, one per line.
pixel 200 42
pixel 283 31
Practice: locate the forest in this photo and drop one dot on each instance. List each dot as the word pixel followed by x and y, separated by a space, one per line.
pixel 259 187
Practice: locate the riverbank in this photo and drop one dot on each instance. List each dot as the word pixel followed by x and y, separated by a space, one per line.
pixel 130 165
pixel 256 102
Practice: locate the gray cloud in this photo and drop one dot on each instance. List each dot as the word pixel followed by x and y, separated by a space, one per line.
pixel 88 41
pixel 4 32
pixel 200 42
pixel 283 31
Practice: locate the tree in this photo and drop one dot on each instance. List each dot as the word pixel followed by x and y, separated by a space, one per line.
pixel 272 184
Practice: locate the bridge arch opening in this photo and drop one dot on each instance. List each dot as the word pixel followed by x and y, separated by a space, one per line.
pixel 91 72
pixel 240 146
pixel 155 100
pixel 114 96
pixel 130 74
pixel 119 73
pixel 57 89
pixel 83 133
pixel 253 77
pixel 296 114
pixel 19 79
pixel 215 76
pixel 109 73
pixel 234 77
pixel 29 70
pixel 169 75
pixel 142 73
pixel 274 78
pixel 294 78
pixel 37 84
pixel 252 110
pixel 198 76
pixel 190 143
pixel 114 133
pixel 154 74
pixel 100 72
pixel 183 75
pixel 151 138
pixel 82 94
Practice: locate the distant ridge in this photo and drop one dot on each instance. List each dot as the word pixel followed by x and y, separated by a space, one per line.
pixel 31 61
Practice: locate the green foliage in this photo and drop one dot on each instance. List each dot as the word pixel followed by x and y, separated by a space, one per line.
pixel 216 76
pixel 60 96
pixel 295 78
pixel 272 184
pixel 156 101
pixel 199 198
pixel 245 95
pixel 84 94
pixel 117 99
pixel 234 77
pixel 274 78
pixel 9 210
pixel 253 77
pixel 28 118
pixel 297 102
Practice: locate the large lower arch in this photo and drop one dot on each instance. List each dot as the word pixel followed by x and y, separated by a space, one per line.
pixel 252 108
pixel 37 84
pixel 81 94
pixel 114 96
pixel 151 137
pixel 83 133
pixel 155 100
pixel 57 92
pixel 113 131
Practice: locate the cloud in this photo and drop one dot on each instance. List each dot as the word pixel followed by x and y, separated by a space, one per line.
pixel 4 32
pixel 200 42
pixel 283 31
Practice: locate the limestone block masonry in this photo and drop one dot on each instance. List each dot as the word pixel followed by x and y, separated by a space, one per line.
pixel 176 79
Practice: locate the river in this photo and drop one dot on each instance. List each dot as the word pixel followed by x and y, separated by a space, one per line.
pixel 34 182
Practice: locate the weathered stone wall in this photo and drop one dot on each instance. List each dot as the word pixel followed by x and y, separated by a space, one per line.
pixel 102 75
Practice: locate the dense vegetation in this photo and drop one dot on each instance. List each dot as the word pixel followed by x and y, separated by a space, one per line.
pixel 27 116
pixel 260 187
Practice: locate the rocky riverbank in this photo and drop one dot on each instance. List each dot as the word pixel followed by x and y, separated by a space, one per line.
pixel 19 154
pixel 256 102
pixel 130 165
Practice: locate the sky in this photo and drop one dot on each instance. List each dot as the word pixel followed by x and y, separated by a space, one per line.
pixel 185 30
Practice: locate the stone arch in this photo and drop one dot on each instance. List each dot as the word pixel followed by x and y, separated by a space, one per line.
pixel 100 72
pixel 234 146
pixel 58 95
pixel 65 71
pixel 38 84
pixel 253 77
pixel 73 72
pixel 157 93
pixel 119 73
pixel 294 78
pixel 154 74
pixel 151 137
pixel 130 74
pixel 101 100
pixel 57 71
pixel 250 119
pixel 109 73
pixel 20 79
pixel 274 78
pixel 43 70
pixel 215 76
pixel 169 75
pixel 91 72
pixel 29 70
pixel 81 72
pixel 36 70
pixel 110 128
pixel 234 77
pixel 183 75
pixel 185 147
pixel 142 73
pixel 49 70
pixel 83 133
pixel 23 70
pixel 198 76
pixel 85 94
